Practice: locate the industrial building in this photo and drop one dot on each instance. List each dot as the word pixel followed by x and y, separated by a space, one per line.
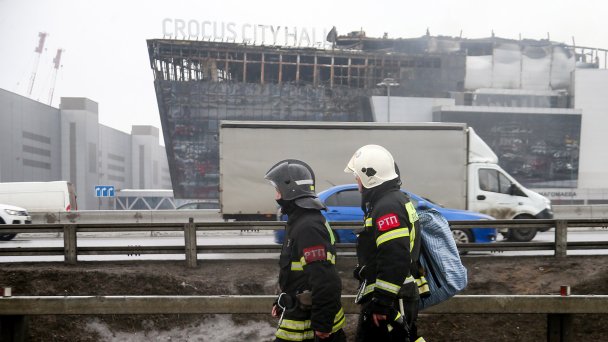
pixel 525 98
pixel 44 143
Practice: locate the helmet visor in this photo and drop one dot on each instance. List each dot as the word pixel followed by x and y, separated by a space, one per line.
pixel 273 184
pixel 350 167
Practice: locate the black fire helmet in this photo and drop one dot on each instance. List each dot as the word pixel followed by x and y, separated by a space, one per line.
pixel 295 180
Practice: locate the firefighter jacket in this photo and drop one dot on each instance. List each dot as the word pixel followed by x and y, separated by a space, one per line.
pixel 306 264
pixel 388 246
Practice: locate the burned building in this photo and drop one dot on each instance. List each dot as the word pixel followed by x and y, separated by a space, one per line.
pixel 199 83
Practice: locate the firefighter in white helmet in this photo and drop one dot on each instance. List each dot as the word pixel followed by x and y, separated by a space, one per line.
pixel 388 247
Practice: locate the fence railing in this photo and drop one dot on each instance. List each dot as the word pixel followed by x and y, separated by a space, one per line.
pixel 206 215
pixel 193 246
pixel 559 310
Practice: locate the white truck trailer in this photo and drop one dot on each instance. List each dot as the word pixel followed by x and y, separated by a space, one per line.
pixel 445 162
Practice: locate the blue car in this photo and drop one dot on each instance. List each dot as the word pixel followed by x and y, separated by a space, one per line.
pixel 344 204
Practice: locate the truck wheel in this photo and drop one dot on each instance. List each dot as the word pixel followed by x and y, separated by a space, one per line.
pixel 522 235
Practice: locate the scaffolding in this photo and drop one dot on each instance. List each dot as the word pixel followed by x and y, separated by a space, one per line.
pixel 217 62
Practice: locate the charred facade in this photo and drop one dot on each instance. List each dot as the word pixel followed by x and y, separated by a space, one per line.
pixel 199 83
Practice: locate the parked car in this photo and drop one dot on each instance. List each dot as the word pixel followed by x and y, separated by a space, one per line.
pixel 10 214
pixel 202 204
pixel 344 204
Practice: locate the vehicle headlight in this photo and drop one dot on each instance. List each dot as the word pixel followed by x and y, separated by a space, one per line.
pixel 12 212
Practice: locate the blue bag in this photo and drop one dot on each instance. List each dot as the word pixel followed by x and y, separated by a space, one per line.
pixel 445 274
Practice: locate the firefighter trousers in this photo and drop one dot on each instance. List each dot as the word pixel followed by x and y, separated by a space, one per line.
pixel 389 330
pixel 338 336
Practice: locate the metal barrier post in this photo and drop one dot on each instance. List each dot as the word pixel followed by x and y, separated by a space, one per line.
pixel 561 238
pixel 13 328
pixel 190 242
pixel 559 327
pixel 69 244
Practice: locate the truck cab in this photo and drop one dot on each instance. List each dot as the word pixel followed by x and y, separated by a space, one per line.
pixel 492 191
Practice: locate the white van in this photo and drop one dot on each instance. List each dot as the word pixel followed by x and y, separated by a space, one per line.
pixel 40 196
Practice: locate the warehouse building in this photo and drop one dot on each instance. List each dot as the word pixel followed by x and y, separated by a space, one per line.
pixel 44 143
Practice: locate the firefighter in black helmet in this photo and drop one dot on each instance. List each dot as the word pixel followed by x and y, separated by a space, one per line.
pixel 309 306
pixel 388 247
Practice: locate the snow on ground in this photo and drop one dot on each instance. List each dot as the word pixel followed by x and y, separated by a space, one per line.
pixel 216 328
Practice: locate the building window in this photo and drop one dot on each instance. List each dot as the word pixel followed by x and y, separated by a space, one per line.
pixel 36 164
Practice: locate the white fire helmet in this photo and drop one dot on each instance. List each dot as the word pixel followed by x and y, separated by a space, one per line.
pixel 373 164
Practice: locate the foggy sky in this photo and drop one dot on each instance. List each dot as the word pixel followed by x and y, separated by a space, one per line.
pixel 106 57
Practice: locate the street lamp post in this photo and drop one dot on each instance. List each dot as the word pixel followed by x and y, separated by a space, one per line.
pixel 388 83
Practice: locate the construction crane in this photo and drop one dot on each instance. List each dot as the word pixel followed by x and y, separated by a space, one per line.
pixel 56 66
pixel 42 38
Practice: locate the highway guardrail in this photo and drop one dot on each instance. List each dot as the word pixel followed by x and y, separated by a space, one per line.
pixel 559 310
pixel 193 244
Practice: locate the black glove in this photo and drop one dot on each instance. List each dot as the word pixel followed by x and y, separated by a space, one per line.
pixel 358 272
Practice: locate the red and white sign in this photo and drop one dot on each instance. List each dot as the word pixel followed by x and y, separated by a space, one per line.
pixel 315 253
pixel 388 221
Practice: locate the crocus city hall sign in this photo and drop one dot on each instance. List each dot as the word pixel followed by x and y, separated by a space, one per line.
pixel 256 34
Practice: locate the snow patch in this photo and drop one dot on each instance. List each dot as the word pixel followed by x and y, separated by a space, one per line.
pixel 216 328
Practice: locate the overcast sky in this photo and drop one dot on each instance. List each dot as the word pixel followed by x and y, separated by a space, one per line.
pixel 106 58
